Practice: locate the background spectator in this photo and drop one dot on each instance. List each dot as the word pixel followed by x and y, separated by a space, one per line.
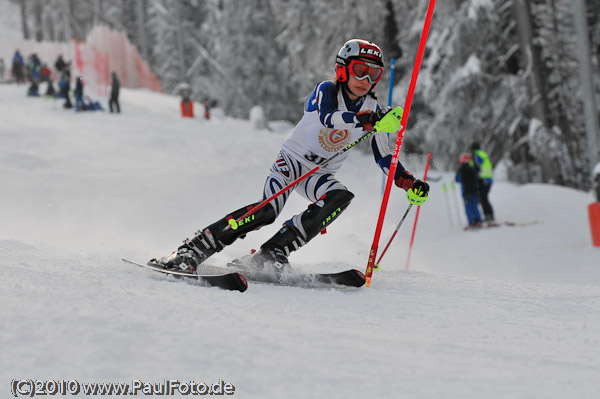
pixel 467 177
pixel 2 66
pixel 17 67
pixel 115 86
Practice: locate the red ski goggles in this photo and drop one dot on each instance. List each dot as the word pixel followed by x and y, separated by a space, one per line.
pixel 361 70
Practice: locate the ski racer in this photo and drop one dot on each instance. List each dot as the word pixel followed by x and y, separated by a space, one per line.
pixel 336 113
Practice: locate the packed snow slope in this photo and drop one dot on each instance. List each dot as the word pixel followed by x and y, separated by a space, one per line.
pixel 507 312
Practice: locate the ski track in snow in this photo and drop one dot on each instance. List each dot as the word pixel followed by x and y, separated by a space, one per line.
pixel 507 312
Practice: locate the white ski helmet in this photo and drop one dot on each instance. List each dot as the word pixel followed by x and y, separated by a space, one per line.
pixel 356 49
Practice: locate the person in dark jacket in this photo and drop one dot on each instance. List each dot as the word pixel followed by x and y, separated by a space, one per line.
pixel 33 90
pixel 60 65
pixel 65 87
pixel 50 91
pixel 79 103
pixel 115 85
pixel 467 177
pixel 17 67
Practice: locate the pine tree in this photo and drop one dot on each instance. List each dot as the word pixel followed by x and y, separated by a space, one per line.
pixel 501 72
pixel 164 49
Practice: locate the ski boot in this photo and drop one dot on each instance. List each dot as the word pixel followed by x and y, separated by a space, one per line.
pixel 300 229
pixel 215 237
pixel 269 259
pixel 273 254
pixel 489 221
pixel 189 255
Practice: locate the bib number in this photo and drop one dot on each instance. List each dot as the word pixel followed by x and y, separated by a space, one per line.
pixel 314 158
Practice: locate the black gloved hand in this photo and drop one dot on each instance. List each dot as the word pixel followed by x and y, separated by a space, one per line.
pixel 368 119
pixel 406 180
pixel 421 188
pixel 380 113
pixel 418 193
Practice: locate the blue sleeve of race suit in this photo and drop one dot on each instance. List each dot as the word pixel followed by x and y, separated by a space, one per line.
pixel 323 100
pixel 382 154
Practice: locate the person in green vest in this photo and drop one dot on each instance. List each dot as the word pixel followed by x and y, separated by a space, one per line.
pixel 484 167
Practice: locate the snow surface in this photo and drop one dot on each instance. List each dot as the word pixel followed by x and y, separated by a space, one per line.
pixel 507 312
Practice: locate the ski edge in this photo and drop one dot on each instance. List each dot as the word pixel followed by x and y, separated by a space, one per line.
pixel 228 280
pixel 349 278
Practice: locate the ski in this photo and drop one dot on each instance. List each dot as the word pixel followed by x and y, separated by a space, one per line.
pixel 521 224
pixel 487 225
pixel 345 278
pixel 225 279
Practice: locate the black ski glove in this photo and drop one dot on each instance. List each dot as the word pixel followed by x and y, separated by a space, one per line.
pixel 368 119
pixel 419 186
pixel 407 181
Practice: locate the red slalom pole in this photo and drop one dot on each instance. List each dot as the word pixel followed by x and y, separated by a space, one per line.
pixel 394 163
pixel 402 220
pixel 392 237
pixel 412 238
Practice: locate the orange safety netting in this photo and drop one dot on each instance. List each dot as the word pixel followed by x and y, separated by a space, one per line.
pixel 103 52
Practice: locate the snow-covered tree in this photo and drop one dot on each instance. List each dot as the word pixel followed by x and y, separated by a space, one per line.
pixel 500 72
pixel 164 50
pixel 503 73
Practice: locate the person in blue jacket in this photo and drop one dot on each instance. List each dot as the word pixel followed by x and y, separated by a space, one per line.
pixel 34 68
pixel 65 87
pixel 17 67
pixel 467 177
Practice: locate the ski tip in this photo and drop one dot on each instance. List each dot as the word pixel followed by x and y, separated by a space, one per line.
pixel 359 273
pixel 360 278
pixel 243 283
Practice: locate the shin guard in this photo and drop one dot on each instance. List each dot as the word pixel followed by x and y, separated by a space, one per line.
pixel 304 227
pixel 322 213
pixel 228 229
